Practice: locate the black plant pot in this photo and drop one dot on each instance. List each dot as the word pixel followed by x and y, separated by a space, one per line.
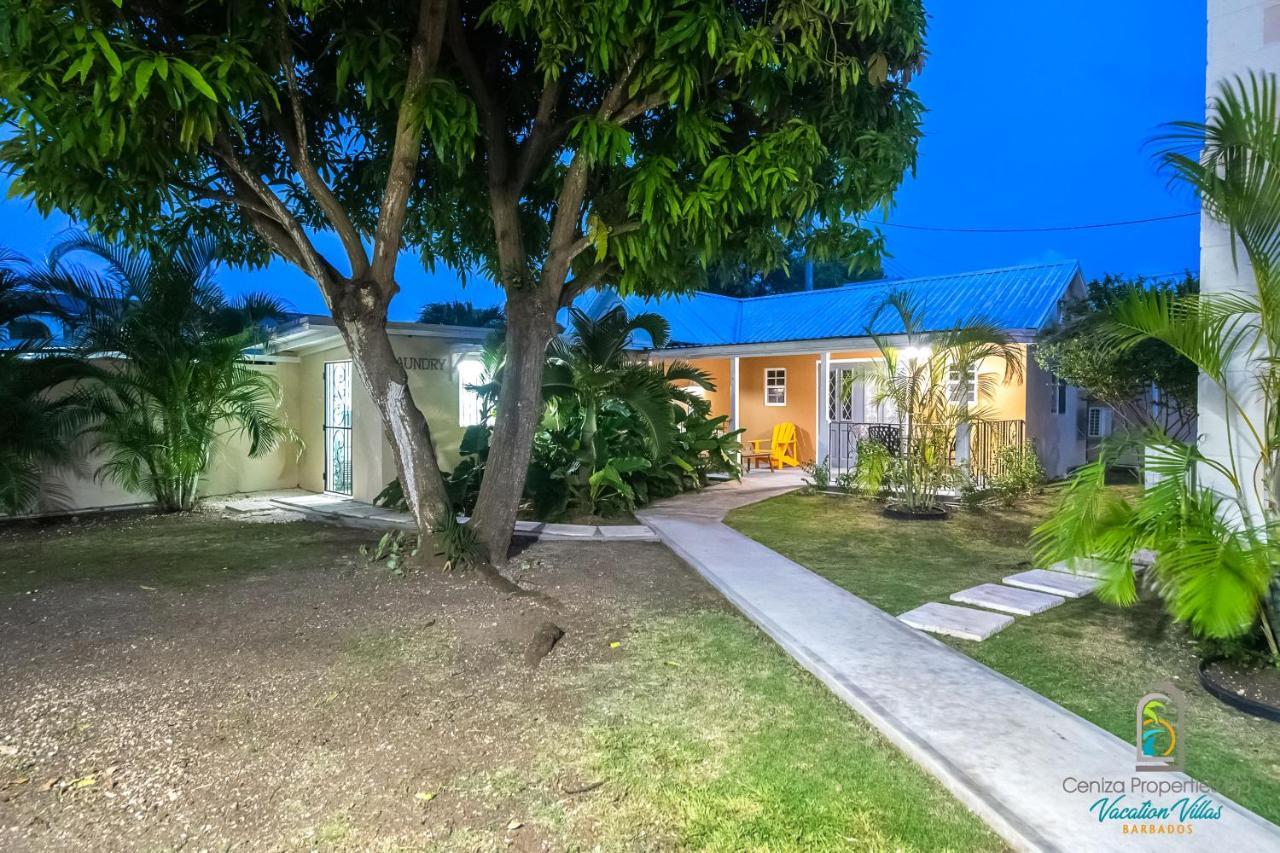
pixel 1228 696
pixel 936 514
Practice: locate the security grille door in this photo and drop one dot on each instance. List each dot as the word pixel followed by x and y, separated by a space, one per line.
pixel 337 427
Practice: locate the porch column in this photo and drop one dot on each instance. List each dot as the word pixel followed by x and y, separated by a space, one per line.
pixel 735 396
pixel 964 445
pixel 824 407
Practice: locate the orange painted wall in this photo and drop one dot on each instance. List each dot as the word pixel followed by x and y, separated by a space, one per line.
pixel 802 395
pixel 720 398
pixel 1009 402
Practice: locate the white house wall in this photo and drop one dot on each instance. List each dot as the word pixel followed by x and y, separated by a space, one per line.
pixel 1059 441
pixel 433 380
pixel 1244 35
pixel 230 470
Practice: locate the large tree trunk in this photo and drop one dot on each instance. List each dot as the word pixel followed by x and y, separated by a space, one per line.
pixel 530 325
pixel 361 316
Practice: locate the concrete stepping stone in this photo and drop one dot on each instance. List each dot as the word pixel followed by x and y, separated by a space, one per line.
pixel 1082 566
pixel 963 622
pixel 1143 558
pixel 1054 583
pixel 1007 599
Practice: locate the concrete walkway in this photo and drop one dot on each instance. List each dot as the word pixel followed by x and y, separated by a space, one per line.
pixel 1002 749
pixel 348 512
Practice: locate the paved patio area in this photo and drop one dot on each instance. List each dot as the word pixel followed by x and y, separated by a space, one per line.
pixel 1002 749
pixel 337 509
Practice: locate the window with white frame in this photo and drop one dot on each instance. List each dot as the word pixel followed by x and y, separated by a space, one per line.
pixel 775 386
pixel 1099 422
pixel 962 386
pixel 470 405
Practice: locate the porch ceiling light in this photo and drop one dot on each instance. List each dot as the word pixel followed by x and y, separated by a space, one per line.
pixel 914 354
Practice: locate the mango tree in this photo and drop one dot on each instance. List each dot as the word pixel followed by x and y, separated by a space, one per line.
pixel 554 145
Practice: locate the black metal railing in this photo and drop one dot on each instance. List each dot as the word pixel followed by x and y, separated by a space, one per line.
pixel 986 439
pixel 842 448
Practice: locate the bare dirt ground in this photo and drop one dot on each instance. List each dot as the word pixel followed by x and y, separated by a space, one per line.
pixel 200 683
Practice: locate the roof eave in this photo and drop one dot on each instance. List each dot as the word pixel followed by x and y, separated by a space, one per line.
pixel 313 332
pixel 815 346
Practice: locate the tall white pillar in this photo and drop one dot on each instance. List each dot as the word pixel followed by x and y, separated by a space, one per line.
pixel 824 406
pixel 735 395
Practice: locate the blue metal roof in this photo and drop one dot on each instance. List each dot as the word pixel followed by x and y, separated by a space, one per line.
pixel 1014 298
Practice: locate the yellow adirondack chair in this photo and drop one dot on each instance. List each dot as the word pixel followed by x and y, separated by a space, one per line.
pixel 780 450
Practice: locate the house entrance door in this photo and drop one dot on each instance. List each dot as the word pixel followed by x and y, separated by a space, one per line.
pixel 337 427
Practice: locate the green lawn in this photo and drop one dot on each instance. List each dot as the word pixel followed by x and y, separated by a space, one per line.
pixel 1092 658
pixel 698 731
pixel 719 741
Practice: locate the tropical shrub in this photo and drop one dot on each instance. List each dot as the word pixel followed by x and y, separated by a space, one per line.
pixel 1123 380
pixel 177 382
pixel 38 426
pixel 875 467
pixel 1211 520
pixel 819 474
pixel 462 313
pixel 915 380
pixel 617 432
pixel 1018 474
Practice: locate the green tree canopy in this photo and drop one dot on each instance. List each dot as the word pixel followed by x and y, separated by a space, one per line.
pixel 552 144
pixel 1123 379
pixel 735 278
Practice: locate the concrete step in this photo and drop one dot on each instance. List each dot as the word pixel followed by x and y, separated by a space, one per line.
pixel 1007 599
pixel 1081 566
pixel 963 622
pixel 1054 583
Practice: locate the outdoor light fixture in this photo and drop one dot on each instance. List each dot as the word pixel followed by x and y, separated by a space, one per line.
pixel 914 354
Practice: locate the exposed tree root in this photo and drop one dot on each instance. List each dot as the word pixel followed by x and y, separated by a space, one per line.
pixel 542 642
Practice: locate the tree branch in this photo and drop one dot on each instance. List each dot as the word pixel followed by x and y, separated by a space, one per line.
pixel 564 245
pixel 543 137
pixel 221 197
pixel 582 283
pixel 582 243
pixel 614 99
pixel 423 55
pixel 492 114
pixel 295 143
pixel 246 183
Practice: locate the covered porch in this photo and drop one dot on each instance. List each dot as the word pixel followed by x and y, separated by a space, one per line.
pixel 828 393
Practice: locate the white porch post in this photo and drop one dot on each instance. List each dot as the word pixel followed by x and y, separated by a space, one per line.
pixel 824 407
pixel 735 396
pixel 964 447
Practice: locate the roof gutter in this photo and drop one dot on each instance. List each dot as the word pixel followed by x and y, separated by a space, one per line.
pixel 814 346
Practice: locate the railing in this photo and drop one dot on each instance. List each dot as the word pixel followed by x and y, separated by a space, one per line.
pixel 842 448
pixel 985 441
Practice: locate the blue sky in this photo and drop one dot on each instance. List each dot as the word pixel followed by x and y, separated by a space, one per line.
pixel 1038 117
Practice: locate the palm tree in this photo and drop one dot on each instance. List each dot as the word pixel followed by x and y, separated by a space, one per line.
pixel 924 378
pixel 589 370
pixel 176 382
pixel 463 313
pixel 37 424
pixel 1212 521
